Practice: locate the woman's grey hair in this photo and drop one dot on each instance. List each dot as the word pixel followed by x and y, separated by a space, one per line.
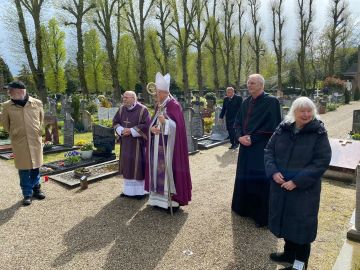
pixel 299 103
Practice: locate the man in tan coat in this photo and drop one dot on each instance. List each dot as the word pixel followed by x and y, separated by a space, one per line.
pixel 22 117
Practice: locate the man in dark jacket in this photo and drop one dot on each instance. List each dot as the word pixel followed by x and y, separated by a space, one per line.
pixel 255 123
pixel 231 106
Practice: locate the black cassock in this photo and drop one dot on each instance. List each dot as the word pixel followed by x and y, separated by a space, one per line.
pixel 258 118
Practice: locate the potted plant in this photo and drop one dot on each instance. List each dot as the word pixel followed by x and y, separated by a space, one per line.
pixel 86 150
pixel 72 158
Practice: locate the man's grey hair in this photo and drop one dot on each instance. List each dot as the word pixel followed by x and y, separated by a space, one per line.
pixel 131 93
pixel 230 88
pixel 300 103
pixel 259 78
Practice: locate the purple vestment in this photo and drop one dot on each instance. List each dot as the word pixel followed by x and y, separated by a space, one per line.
pixel 132 149
pixel 180 158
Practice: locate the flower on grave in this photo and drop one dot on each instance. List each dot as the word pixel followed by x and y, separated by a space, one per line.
pixel 80 143
pixel 48 144
pixel 71 158
pixel 87 147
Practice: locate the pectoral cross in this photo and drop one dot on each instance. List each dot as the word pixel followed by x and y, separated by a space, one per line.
pixel 127 122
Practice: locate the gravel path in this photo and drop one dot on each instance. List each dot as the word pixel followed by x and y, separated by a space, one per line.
pixel 96 229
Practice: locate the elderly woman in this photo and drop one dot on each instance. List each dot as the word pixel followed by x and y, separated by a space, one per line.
pixel 296 157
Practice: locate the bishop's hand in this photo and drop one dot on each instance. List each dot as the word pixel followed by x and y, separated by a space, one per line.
pixel 155 130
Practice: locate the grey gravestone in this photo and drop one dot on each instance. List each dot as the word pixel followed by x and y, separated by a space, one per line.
pixel 103 113
pixel 68 130
pixel 86 120
pixel 197 125
pixel 356 121
pixel 112 112
pixel 219 132
pixel 63 104
pixel 354 233
pixel 188 113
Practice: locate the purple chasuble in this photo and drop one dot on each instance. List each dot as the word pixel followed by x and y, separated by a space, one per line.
pixel 180 158
pixel 132 149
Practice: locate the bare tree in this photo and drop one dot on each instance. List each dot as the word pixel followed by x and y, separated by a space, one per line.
pixel 37 70
pixel 278 21
pixel 105 12
pixel 165 20
pixel 78 9
pixel 337 30
pixel 229 41
pixel 136 23
pixel 213 44
pixel 182 37
pixel 255 41
pixel 199 33
pixel 242 32
pixel 306 19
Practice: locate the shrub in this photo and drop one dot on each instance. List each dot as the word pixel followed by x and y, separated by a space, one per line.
pixel 331 107
pixel 87 147
pixel 72 158
pixel 211 96
pixel 92 107
pixel 3 134
pixel 356 136
pixel 106 123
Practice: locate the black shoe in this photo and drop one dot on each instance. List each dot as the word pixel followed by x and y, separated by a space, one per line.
pixel 27 200
pixel 37 193
pixel 281 257
pixel 231 147
pixel 259 225
pixel 287 268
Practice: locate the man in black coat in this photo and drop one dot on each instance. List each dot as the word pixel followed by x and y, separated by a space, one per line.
pixel 255 123
pixel 231 106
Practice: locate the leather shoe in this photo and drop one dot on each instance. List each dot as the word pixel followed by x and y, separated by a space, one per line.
pixel 27 200
pixel 37 193
pixel 281 257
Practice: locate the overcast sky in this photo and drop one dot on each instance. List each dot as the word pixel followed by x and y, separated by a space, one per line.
pixel 321 10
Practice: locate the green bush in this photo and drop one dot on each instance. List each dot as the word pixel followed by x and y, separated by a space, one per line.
pixel 106 123
pixel 211 96
pixel 75 104
pixel 356 136
pixel 91 107
pixel 3 134
pixel 331 107
pixel 87 147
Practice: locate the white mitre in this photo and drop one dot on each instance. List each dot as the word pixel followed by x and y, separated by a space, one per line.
pixel 162 82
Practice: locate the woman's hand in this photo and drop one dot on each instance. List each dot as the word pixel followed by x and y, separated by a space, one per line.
pixel 289 185
pixel 278 178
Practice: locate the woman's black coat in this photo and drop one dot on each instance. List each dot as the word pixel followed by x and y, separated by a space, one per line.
pixel 302 158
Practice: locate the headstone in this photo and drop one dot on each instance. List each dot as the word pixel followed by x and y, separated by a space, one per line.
pixel 356 121
pixel 103 113
pixel 52 107
pixel 219 132
pixel 104 140
pixel 68 130
pixel 112 112
pixel 51 129
pixel 345 154
pixel 354 233
pixel 188 113
pixel 86 120
pixel 197 124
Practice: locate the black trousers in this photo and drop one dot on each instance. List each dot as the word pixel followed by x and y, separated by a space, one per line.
pixel 300 252
pixel 232 135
